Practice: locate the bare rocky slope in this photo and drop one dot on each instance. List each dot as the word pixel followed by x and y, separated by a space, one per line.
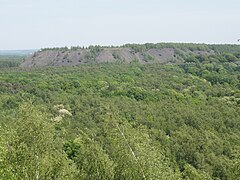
pixel 145 54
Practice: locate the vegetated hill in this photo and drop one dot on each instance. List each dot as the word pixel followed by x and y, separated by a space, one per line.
pixel 63 57
pixel 144 54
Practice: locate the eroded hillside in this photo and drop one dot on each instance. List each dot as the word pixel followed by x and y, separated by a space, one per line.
pixel 144 54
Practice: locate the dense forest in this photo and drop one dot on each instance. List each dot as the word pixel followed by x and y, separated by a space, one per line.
pixel 9 61
pixel 124 121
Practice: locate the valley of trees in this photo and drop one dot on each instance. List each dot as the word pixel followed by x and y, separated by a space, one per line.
pixel 123 121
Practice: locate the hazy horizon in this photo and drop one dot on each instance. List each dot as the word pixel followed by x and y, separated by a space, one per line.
pixel 29 24
pixel 36 49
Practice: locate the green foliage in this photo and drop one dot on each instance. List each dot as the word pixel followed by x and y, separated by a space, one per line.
pixel 116 55
pixel 90 159
pixel 10 61
pixel 147 57
pixel 128 121
pixel 31 149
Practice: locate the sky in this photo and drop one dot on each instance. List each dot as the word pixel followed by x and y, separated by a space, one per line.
pixel 32 24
